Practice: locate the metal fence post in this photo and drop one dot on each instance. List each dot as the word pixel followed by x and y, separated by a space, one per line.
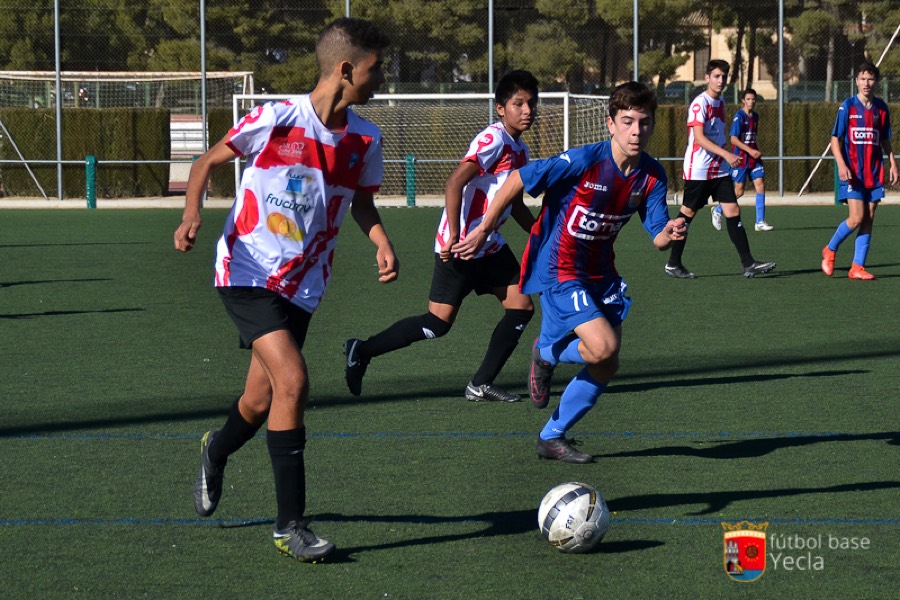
pixel 90 180
pixel 410 179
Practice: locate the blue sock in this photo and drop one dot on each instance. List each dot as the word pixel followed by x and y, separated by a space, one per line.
pixel 718 208
pixel 841 234
pixel 579 397
pixel 565 350
pixel 862 248
pixel 760 207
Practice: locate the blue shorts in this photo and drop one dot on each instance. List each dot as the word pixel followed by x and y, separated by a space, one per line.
pixel 567 305
pixel 848 192
pixel 740 175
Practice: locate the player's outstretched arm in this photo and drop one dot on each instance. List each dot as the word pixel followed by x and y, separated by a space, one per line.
pixel 521 213
pixel 366 216
pixel 475 239
pixel 186 234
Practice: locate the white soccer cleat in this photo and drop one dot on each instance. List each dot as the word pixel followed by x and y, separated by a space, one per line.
pixel 762 226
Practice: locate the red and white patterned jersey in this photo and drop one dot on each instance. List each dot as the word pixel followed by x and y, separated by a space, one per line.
pixel 497 154
pixel 700 164
pixel 296 188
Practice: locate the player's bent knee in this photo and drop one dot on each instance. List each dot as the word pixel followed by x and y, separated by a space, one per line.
pixel 435 325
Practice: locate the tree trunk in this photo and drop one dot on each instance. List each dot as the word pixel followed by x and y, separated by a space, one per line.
pixel 751 53
pixel 829 68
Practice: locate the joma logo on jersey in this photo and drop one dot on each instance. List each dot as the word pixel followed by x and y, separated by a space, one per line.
pixel 595 186
pixel 864 135
pixel 587 225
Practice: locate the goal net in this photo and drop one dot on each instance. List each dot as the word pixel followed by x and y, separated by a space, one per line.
pixel 426 135
pixel 180 92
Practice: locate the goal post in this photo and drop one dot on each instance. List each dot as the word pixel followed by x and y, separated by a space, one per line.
pixel 426 135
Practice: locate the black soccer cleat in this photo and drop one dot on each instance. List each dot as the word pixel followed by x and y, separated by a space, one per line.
pixel 298 541
pixel 539 377
pixel 355 369
pixel 757 268
pixel 489 393
pixel 679 272
pixel 562 449
pixel 208 489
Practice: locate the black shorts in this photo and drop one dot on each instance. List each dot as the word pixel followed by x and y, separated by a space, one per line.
pixel 453 280
pixel 698 192
pixel 257 311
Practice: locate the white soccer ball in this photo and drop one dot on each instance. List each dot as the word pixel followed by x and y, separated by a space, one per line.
pixel 573 517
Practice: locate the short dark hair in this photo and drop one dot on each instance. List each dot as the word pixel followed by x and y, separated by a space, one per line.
pixel 868 67
pixel 632 95
pixel 748 91
pixel 512 82
pixel 717 63
pixel 348 39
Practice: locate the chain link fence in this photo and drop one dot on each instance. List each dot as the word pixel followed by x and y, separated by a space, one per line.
pixel 147 54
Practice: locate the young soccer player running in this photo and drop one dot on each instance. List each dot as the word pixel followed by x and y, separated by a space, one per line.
pixel 491 157
pixel 861 131
pixel 309 160
pixel 744 129
pixel 706 174
pixel 589 194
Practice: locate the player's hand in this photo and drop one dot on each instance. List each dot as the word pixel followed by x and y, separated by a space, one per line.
pixel 388 264
pixel 844 173
pixel 676 229
pixel 894 177
pixel 445 252
pixel 755 153
pixel 470 246
pixel 186 234
pixel 734 160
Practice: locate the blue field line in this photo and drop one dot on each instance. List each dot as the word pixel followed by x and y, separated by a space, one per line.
pixel 447 434
pixel 426 520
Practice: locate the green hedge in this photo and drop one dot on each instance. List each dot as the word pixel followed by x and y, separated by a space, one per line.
pixel 108 134
pixel 807 131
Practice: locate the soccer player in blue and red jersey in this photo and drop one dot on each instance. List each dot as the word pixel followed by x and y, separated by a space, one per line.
pixel 862 129
pixel 744 129
pixel 589 194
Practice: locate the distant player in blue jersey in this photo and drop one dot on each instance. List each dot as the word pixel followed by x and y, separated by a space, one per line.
pixel 744 129
pixel 590 193
pixel 861 131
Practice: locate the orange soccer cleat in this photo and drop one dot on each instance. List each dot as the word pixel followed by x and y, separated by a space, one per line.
pixel 859 272
pixel 828 261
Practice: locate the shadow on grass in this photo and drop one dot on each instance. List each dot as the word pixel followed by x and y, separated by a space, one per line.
pixel 718 501
pixel 39 282
pixel 57 313
pixel 643 387
pixel 755 448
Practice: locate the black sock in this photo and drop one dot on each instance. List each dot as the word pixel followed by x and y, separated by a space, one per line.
pixel 503 341
pixel 286 453
pixel 677 247
pixel 738 236
pixel 403 333
pixel 235 433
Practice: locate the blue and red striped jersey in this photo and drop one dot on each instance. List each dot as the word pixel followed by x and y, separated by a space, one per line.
pixel 587 200
pixel 861 131
pixel 745 127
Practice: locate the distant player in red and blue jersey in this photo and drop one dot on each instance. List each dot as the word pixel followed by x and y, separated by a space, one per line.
pixel 744 131
pixel 707 165
pixel 589 194
pixel 861 131
pixel 492 155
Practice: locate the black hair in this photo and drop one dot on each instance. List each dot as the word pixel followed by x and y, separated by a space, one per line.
pixel 512 82
pixel 348 39
pixel 748 91
pixel 717 63
pixel 868 67
pixel 632 95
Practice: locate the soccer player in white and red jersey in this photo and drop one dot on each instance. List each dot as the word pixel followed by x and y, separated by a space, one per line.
pixel 492 156
pixel 707 164
pixel 309 160
pixel 588 194
pixel 744 132
pixel 861 131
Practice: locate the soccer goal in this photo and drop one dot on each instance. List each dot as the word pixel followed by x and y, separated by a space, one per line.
pixel 425 135
pixel 180 92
